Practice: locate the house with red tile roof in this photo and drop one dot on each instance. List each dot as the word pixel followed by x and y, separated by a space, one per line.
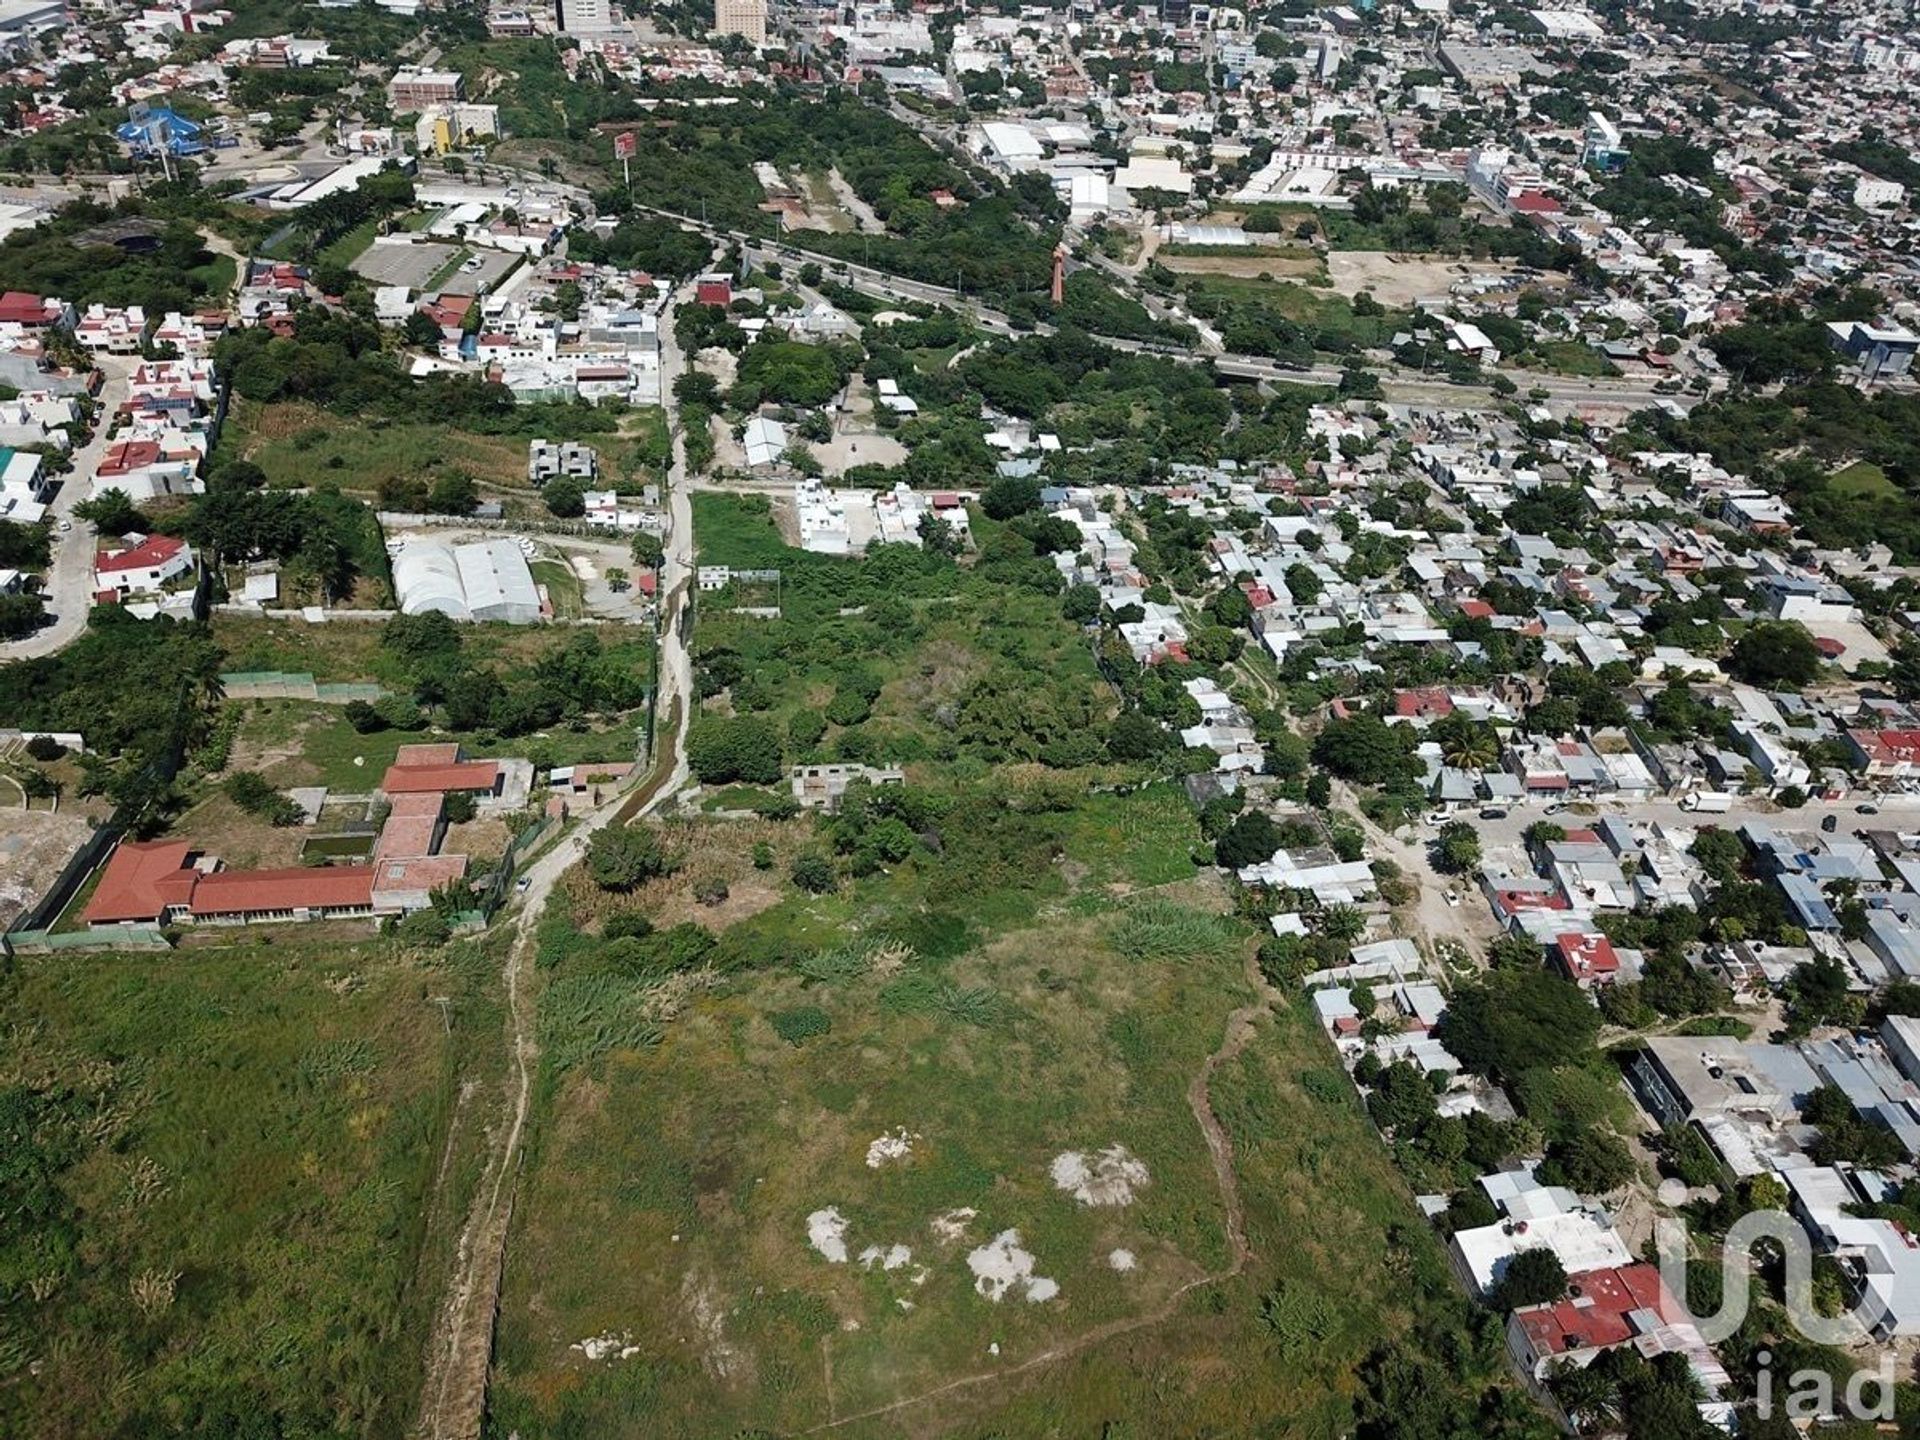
pixel 22 311
pixel 164 882
pixel 470 776
pixel 144 880
pixel 143 468
pixel 1886 754
pixel 1585 957
pixel 142 567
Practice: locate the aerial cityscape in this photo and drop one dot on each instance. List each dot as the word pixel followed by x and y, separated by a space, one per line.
pixel 755 718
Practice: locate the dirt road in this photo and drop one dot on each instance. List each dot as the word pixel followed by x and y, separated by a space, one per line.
pixel 454 1393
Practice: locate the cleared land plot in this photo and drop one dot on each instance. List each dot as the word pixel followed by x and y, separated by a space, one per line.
pixel 1295 265
pixel 937 665
pixel 1398 280
pixel 241 1151
pixel 1572 357
pixel 676 1264
pixel 1313 307
pixel 34 846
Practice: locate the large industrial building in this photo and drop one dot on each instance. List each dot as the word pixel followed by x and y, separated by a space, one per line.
pixel 484 580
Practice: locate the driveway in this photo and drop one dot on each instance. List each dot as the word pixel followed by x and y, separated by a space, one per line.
pixel 69 588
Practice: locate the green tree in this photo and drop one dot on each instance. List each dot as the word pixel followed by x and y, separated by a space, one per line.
pixel 1366 749
pixel 565 499
pixel 621 857
pixel 1251 839
pixel 1510 1021
pixel 1402 1102
pixel 1533 1277
pixel 812 870
pixel 1591 1162
pixel 453 494
pixel 724 749
pixel 1775 652
pixel 1009 495
pixel 112 513
pixel 1456 849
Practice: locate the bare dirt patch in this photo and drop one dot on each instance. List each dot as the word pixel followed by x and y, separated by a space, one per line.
pixel 1002 1267
pixel 1108 1177
pixel 34 846
pixel 1398 280
pixel 1306 265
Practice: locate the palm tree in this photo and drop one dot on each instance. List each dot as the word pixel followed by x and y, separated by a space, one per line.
pixel 1341 922
pixel 1470 748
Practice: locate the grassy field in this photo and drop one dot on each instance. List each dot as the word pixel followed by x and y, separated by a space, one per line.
pixel 349 247
pixel 563 587
pixel 238 1231
pixel 639 454
pixel 1313 307
pixel 1864 479
pixel 1001 1010
pixel 292 742
pixel 1573 357
pixel 340 651
pixel 927 656
pixel 296 444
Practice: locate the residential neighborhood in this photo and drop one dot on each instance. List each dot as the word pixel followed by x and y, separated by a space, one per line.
pixel 944 720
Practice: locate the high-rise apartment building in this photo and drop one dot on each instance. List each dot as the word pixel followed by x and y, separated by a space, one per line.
pixel 585 17
pixel 741 17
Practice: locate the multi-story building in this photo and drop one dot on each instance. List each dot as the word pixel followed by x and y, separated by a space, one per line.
pixel 585 17
pixel 415 88
pixel 746 18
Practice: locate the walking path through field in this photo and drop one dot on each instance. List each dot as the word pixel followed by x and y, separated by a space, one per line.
pixel 453 1403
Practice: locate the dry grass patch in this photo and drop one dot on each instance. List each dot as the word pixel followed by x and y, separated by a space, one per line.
pixel 707 855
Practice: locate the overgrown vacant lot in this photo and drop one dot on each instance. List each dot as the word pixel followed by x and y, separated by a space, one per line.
pixel 216 1199
pixel 298 445
pixel 557 694
pixel 900 656
pixel 706 1156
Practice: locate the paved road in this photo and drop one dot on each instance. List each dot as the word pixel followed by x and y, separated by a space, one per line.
pixel 1894 811
pixel 70 579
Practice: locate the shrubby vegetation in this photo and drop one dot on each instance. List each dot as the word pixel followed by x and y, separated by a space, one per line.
pixel 49 260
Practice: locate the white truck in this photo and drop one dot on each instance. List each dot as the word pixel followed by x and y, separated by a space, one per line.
pixel 1708 802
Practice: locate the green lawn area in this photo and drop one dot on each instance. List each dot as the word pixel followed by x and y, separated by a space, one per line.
pixel 1864 479
pixel 1001 1009
pixel 217 276
pixel 1572 357
pixel 563 587
pixel 238 1150
pixel 350 246
pixel 447 271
